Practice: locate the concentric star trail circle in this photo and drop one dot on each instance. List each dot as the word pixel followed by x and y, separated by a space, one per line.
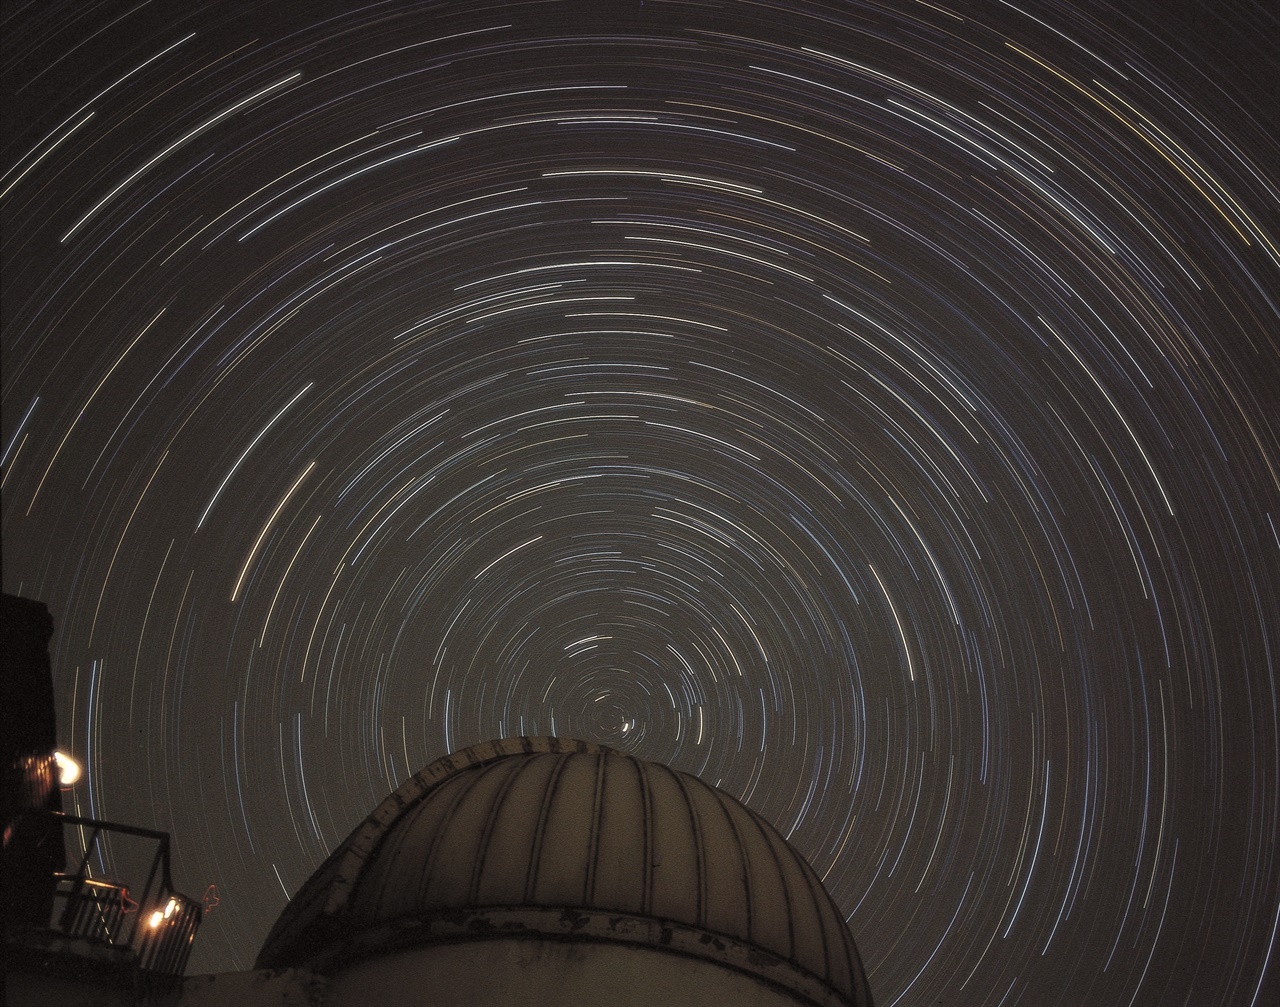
pixel 871 408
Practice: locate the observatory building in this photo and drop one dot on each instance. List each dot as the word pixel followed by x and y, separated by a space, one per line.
pixel 524 870
pixel 554 871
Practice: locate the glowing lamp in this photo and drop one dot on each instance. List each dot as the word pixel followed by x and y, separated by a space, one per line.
pixel 160 915
pixel 68 769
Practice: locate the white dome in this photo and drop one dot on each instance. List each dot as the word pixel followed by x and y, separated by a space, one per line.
pixel 563 837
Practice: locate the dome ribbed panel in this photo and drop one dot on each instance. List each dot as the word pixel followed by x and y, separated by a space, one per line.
pixel 622 867
pixel 503 863
pixel 449 884
pixel 725 870
pixel 807 931
pixel 840 949
pixel 568 823
pixel 676 859
pixel 396 880
pixel 766 888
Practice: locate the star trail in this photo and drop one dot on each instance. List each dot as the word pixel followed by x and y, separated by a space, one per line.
pixel 872 408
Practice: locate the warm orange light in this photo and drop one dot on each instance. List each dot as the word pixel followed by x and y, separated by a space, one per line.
pixel 160 915
pixel 68 768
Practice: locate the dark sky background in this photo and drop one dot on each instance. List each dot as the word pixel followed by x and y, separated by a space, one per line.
pixel 872 408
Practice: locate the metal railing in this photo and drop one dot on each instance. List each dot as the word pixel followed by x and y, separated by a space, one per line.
pixel 157 924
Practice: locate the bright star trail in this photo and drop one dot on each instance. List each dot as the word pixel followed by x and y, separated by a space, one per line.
pixel 872 408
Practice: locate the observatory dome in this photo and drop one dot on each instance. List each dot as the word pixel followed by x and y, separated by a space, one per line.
pixel 571 840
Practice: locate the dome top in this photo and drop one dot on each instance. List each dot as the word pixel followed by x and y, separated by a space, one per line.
pixel 539 824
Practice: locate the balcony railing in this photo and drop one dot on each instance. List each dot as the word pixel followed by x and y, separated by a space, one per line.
pixel 155 923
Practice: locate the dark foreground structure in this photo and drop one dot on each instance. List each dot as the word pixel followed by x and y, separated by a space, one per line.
pixel 74 933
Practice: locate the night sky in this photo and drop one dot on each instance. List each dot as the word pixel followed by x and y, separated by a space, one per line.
pixel 871 407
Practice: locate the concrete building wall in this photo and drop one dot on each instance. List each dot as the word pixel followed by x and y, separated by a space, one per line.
pixel 499 973
pixel 259 988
